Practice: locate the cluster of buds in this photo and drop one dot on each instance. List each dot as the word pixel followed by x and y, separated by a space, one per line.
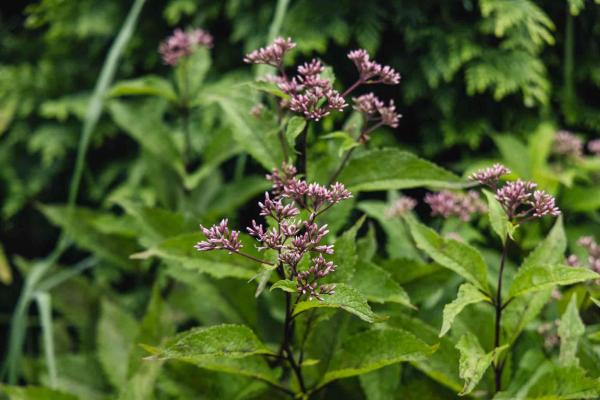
pixel 182 44
pixel 450 204
pixel 400 207
pixel 593 253
pixel 594 146
pixel 549 331
pixel 291 237
pixel 372 72
pixel 375 111
pixel 313 96
pixel 567 144
pixel 519 199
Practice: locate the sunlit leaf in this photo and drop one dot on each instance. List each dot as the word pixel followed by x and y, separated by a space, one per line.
pixel 467 294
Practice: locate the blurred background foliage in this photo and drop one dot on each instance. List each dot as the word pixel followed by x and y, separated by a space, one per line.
pixel 481 80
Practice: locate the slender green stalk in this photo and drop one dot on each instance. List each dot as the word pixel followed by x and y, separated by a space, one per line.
pixel 498 366
pixel 569 89
pixel 44 303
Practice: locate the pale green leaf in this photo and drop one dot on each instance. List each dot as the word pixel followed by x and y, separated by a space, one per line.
pixel 467 294
pixel 385 169
pixel 552 249
pixel 294 127
pixel 381 384
pixel 373 349
pixel 571 329
pixel 346 298
pixel 563 383
pixel 345 256
pixel 378 285
pixel 473 361
pixel 286 285
pixel 149 85
pixel 452 254
pixel 115 336
pixel 539 277
pixel 498 218
pixel 207 343
pixel 34 393
pixel 5 271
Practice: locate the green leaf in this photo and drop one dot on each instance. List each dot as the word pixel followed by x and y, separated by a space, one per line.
pixel 467 294
pixel 498 218
pixel 346 140
pixel 473 361
pixel 539 277
pixel 452 254
pixel 581 199
pixel 295 126
pixel 571 329
pixel 382 383
pixel 373 349
pixel 253 366
pixel 561 383
pixel 34 393
pixel 345 256
pixel 385 169
pixel 378 285
pixel 190 73
pixel 179 251
pixel 286 285
pixel 155 224
pixel 150 85
pixel 5 271
pixel 521 311
pixel 346 298
pixel 207 343
pixel 551 250
pixel 115 336
pixel 85 227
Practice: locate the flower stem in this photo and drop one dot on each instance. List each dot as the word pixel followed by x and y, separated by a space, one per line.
pixel 302 150
pixel 342 165
pixel 498 327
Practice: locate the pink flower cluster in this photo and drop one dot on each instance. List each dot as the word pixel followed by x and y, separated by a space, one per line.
pixel 593 253
pixel 400 207
pixel 291 237
pixel 375 110
pixel 182 44
pixel 567 144
pixel 519 199
pixel 271 55
pixel 372 72
pixel 594 146
pixel 462 205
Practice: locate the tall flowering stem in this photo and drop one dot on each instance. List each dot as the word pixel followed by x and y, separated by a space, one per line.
pixel 521 202
pixel 292 239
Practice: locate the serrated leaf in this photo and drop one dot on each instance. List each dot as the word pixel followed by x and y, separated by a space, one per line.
pixel 473 361
pixel 551 250
pixel 345 256
pixel 378 285
pixel 373 349
pixel 381 384
pixel 205 343
pixel 286 285
pixel 385 169
pixel 498 218
pixel 571 329
pixel 294 127
pixel 467 294
pixel 539 277
pixel 346 298
pixel 521 311
pixel 452 254
pixel 180 250
pixel 150 85
pixel 563 383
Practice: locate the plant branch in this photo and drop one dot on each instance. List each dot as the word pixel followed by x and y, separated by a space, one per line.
pixel 251 257
pixel 302 150
pixel 498 327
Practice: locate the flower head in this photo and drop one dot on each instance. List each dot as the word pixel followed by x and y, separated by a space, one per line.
pixel 372 72
pixel 447 204
pixel 490 176
pixel 544 204
pixel 400 207
pixel 271 55
pixel 181 44
pixel 219 237
pixel 567 144
pixel 515 194
pixel 594 146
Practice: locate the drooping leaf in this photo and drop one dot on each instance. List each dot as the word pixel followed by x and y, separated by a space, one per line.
pixel 452 254
pixel 207 343
pixel 385 169
pixel 286 285
pixel 473 361
pixel 346 298
pixel 373 349
pixel 115 336
pixel 539 277
pixel 378 285
pixel 571 329
pixel 467 294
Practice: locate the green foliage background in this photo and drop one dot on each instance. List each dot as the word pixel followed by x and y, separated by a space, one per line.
pixel 482 81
